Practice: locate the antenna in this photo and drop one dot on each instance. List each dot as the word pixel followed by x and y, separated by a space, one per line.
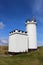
pixel 33 19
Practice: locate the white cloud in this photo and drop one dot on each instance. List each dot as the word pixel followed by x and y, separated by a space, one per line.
pixel 37 10
pixel 1 25
pixel 37 7
pixel 3 41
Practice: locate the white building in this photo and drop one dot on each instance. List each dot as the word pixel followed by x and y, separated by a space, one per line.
pixel 20 41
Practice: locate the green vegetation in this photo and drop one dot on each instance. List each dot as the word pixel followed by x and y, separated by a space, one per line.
pixel 30 58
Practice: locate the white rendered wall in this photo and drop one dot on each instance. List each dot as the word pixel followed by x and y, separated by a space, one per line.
pixel 11 46
pixel 31 31
pixel 18 43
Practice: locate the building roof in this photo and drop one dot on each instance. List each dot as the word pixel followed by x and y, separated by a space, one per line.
pixel 33 19
pixel 18 32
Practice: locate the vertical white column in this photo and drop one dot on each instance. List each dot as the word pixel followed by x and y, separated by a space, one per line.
pixel 32 34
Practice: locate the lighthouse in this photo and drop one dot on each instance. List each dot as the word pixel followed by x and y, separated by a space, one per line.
pixel 32 33
pixel 23 41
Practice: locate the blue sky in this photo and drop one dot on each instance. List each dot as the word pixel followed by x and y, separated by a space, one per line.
pixel 14 13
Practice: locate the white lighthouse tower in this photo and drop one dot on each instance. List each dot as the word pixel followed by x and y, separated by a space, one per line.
pixel 31 32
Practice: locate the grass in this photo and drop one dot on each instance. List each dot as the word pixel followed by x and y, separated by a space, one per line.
pixel 30 58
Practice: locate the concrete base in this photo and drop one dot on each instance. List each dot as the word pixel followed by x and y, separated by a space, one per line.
pixel 30 50
pixel 15 53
